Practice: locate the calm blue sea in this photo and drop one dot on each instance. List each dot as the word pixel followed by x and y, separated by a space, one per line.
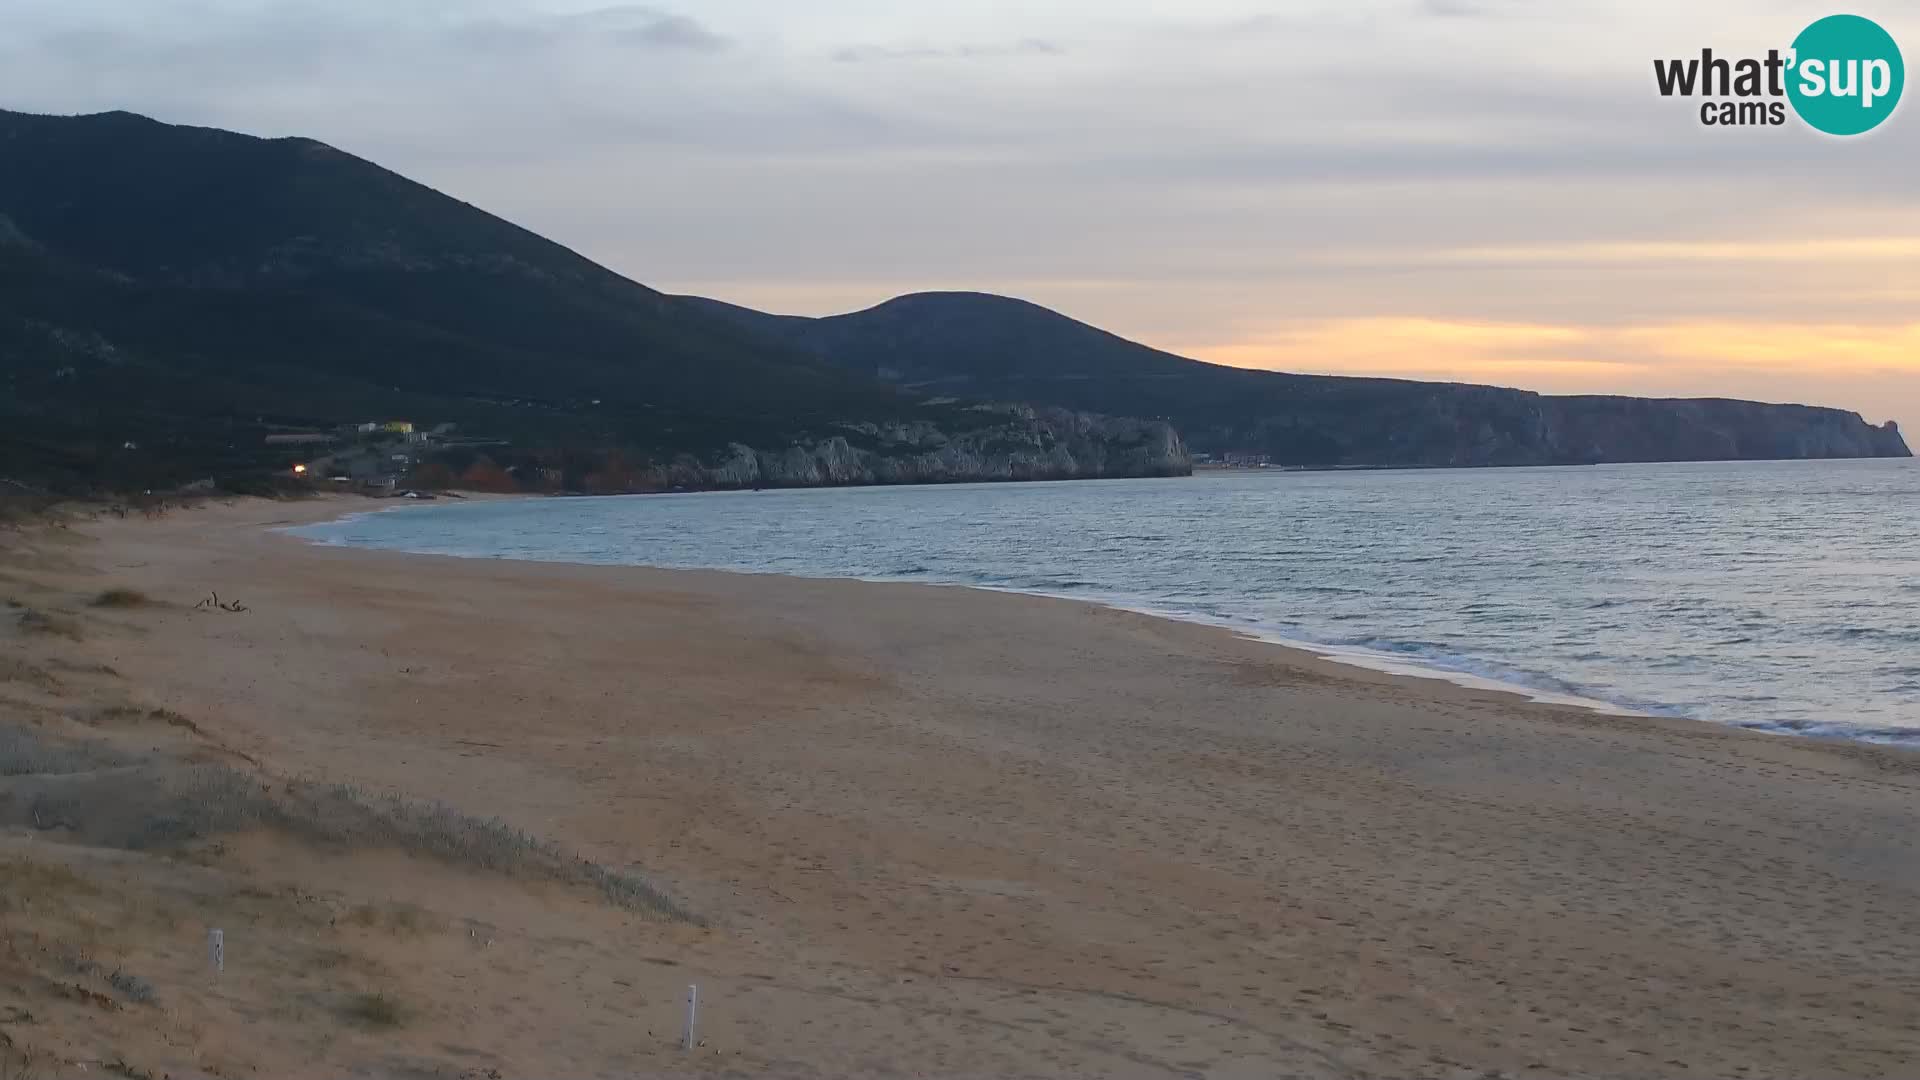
pixel 1782 596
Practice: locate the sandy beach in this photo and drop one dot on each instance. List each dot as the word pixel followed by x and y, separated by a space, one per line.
pixel 924 831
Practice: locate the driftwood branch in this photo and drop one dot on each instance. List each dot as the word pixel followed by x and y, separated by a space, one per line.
pixel 213 601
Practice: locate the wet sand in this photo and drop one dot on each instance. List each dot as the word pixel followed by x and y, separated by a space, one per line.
pixel 946 832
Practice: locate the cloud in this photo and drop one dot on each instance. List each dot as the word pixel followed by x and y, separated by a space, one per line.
pixel 1451 349
pixel 1897 249
pixel 864 54
pixel 1870 369
pixel 1207 175
pixel 624 25
pixel 1453 9
pixel 1479 9
pixel 1837 349
pixel 676 32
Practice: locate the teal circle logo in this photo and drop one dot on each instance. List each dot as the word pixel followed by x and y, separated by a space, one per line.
pixel 1847 75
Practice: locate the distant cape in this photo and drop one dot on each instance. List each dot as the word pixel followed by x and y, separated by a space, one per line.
pixel 998 347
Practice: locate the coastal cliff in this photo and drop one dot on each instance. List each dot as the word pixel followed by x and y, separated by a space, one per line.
pixel 1596 429
pixel 1024 444
pixel 973 344
pixel 1446 425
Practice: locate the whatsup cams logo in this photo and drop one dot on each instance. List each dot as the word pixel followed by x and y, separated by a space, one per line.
pixel 1843 76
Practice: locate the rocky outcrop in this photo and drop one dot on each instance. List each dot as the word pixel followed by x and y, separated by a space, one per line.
pixel 1017 443
pixel 1599 429
pixel 1448 425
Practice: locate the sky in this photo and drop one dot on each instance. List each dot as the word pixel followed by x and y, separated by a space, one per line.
pixel 1476 190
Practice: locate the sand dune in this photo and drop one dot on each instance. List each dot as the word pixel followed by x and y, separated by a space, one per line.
pixel 930 831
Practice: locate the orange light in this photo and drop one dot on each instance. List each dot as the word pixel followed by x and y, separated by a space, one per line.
pixel 299 470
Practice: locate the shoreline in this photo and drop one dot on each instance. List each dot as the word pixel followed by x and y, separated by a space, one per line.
pixel 1477 688
pixel 1348 656
pixel 1293 650
pixel 929 830
pixel 1345 655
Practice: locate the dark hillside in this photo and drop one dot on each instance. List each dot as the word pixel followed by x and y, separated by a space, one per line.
pixel 190 290
pixel 994 346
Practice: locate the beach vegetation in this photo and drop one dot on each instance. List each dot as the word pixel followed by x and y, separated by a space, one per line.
pixel 17 1065
pixel 378 1009
pixel 25 752
pixel 36 621
pixel 120 597
pixel 101 796
pixel 131 987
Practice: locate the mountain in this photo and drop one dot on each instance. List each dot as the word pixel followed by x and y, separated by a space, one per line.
pixel 996 347
pixel 170 296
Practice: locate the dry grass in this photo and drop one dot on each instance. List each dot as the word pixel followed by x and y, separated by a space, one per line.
pixel 35 621
pixel 15 1065
pixel 79 668
pixel 22 506
pixel 173 719
pixel 99 796
pixel 26 752
pixel 342 816
pixel 131 987
pixel 13 670
pixel 29 880
pixel 378 1010
pixel 121 598
pixel 136 714
pixel 399 919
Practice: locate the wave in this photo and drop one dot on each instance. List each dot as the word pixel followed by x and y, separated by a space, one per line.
pixel 1419 659
pixel 1828 729
pixel 1874 633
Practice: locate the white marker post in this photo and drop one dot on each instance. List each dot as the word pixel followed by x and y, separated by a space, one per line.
pixel 217 950
pixel 693 1010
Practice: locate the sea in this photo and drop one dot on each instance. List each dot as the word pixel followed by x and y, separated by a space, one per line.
pixel 1777 596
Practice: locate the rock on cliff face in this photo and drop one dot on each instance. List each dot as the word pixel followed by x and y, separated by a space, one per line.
pixel 1474 426
pixel 1025 444
pixel 1601 429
